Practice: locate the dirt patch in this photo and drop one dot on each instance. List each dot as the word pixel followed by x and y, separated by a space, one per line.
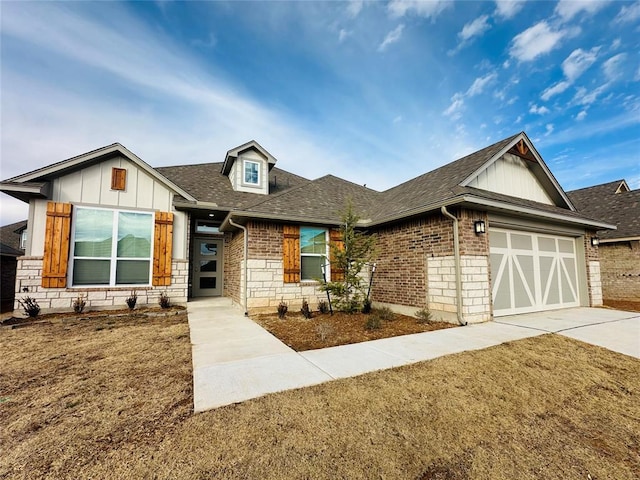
pixel 111 398
pixel 626 305
pixel 326 330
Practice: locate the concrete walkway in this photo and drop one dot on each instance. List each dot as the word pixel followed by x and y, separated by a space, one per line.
pixel 234 359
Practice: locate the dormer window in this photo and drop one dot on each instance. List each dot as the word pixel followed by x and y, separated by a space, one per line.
pixel 251 172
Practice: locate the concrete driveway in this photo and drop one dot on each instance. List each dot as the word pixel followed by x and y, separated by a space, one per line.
pixel 612 329
pixel 234 359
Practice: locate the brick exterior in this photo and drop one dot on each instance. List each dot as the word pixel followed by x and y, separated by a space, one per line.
pixel 29 281
pixel 620 270
pixel 233 265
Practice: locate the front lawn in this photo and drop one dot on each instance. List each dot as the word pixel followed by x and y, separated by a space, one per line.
pixel 111 398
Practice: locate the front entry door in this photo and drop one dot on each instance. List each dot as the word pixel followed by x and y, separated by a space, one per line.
pixel 207 267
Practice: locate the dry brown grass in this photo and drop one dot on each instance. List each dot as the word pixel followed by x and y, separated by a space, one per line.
pixel 84 402
pixel 325 330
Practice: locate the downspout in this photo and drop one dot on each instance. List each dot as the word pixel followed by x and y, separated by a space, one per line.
pixel 246 248
pixel 456 255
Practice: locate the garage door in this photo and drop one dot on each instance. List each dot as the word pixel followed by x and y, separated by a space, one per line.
pixel 532 272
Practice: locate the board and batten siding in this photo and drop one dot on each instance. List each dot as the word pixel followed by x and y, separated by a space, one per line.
pixel 91 187
pixel 510 175
pixel 237 171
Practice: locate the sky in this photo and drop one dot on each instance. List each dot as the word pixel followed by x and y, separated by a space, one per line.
pixel 373 92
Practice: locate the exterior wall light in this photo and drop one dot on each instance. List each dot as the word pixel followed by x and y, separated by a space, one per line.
pixel 479 227
pixel 595 241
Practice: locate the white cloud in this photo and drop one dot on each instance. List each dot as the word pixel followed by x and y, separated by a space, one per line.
pixel 343 34
pixel 392 37
pixel 549 129
pixel 398 119
pixel 355 7
pixel 475 28
pixel 578 62
pixel 629 13
pixel 422 8
pixel 554 90
pixel 585 97
pixel 616 44
pixel 479 84
pixel 210 42
pixel 581 115
pixel 567 9
pixel 535 41
pixel 613 66
pixel 455 109
pixel 508 8
pixel 538 110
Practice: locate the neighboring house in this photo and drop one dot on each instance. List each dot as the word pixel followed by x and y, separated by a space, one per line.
pixel 12 241
pixel 619 249
pixel 105 223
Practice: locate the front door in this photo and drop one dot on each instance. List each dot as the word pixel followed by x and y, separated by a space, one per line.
pixel 207 267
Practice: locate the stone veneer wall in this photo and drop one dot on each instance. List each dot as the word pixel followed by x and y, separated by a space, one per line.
pixel 266 272
pixel 416 267
pixel 29 278
pixel 620 270
pixel 594 285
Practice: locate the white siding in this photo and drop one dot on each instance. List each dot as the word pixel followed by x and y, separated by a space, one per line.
pixel 509 175
pixel 92 186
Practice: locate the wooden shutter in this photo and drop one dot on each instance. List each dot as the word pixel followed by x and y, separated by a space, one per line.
pixel 335 240
pixel 56 245
pixel 118 178
pixel 163 245
pixel 291 253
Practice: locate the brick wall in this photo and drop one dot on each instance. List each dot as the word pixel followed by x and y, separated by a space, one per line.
pixel 29 278
pixel 265 240
pixel 620 270
pixel 233 265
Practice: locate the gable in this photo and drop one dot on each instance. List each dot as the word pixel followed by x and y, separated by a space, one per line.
pixel 511 175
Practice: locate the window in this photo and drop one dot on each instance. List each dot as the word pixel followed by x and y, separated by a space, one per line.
pixel 251 172
pixel 313 252
pixel 23 240
pixel 111 247
pixel 207 227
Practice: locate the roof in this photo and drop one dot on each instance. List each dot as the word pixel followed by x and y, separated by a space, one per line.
pixel 10 236
pixel 603 202
pixel 207 183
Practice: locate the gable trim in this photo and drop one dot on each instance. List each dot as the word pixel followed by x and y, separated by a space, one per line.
pixel 27 179
pixel 520 141
pixel 232 155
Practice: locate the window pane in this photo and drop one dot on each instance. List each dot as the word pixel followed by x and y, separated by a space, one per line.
pixel 202 227
pixel 93 232
pixel 311 268
pixel 251 172
pixel 134 235
pixel 207 282
pixel 313 240
pixel 208 266
pixel 91 272
pixel 208 249
pixel 132 272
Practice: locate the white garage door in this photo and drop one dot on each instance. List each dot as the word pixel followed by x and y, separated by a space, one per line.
pixel 532 272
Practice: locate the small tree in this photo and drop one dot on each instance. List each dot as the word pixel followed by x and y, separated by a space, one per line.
pixel 356 250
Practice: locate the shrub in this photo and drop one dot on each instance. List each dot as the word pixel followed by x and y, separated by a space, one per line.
pixel 30 306
pixel 374 322
pixel 132 300
pixel 366 305
pixel 386 314
pixel 305 310
pixel 424 315
pixel 164 301
pixel 283 308
pixel 79 303
pixel 323 306
pixel 324 331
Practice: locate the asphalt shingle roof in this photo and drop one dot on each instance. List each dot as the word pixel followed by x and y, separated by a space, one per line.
pixel 621 209
pixel 10 239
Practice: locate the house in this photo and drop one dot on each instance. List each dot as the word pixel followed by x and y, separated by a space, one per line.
pixel 12 240
pixel 490 234
pixel 619 249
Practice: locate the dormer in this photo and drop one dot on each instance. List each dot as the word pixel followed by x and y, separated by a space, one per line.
pixel 247 167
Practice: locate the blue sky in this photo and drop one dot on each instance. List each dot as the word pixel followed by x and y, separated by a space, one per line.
pixel 374 92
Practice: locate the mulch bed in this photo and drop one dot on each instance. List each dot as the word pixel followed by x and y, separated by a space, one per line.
pixel 326 330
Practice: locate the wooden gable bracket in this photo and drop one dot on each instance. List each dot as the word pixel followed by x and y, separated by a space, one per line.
pixel 522 147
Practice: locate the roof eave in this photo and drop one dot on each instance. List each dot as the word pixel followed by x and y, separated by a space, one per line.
pixel 26 191
pixel 620 239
